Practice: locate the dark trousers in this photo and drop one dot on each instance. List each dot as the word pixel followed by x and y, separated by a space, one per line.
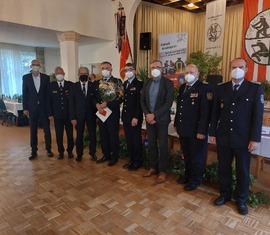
pixel 134 142
pixel 35 116
pixel 91 128
pixel 194 151
pixel 109 136
pixel 158 146
pixel 60 124
pixel 242 164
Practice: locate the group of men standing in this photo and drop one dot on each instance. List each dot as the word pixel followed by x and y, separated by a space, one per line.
pixel 231 115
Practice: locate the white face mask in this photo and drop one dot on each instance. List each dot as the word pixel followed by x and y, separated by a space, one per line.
pixel 106 73
pixel 35 68
pixel 237 73
pixel 155 73
pixel 59 77
pixel 190 78
pixel 129 74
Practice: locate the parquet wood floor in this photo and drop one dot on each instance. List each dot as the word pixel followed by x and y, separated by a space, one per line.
pixel 50 196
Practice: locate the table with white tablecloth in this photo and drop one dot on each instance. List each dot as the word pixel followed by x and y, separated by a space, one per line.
pixel 13 107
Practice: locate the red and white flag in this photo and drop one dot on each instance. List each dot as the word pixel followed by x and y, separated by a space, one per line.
pixel 256 39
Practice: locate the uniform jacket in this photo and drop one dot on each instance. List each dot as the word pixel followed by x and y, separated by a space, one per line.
pixel 236 120
pixel 132 106
pixel 80 106
pixel 163 102
pixel 32 98
pixel 58 102
pixel 193 109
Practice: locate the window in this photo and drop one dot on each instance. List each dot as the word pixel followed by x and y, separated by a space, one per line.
pixel 15 61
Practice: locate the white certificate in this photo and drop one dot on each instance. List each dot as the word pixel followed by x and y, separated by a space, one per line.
pixel 104 115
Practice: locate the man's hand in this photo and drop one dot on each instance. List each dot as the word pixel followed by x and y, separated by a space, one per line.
pixel 74 122
pixel 26 113
pixel 150 117
pixel 134 122
pixel 103 105
pixel 200 136
pixel 213 140
pixel 253 146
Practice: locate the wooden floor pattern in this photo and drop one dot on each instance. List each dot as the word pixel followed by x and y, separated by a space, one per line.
pixel 50 196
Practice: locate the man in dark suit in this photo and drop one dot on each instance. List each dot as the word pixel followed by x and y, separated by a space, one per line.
pixel 35 90
pixel 58 110
pixel 191 122
pixel 109 129
pixel 132 117
pixel 82 112
pixel 235 126
pixel 156 101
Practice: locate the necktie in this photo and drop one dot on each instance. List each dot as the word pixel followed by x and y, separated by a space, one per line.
pixel 235 88
pixel 60 86
pixel 187 88
pixel 83 89
pixel 128 83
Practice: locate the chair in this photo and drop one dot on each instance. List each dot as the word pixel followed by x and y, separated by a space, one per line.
pixel 7 116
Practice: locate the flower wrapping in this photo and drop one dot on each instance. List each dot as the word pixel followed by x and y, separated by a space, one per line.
pixel 109 91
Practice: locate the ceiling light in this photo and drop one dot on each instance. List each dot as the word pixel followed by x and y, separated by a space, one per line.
pixel 190 5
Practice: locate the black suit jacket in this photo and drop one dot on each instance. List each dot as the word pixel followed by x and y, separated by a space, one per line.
pixel 193 109
pixel 58 104
pixel 132 106
pixel 32 98
pixel 236 120
pixel 163 102
pixel 81 107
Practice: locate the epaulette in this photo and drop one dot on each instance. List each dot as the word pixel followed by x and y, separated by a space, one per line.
pixel 256 82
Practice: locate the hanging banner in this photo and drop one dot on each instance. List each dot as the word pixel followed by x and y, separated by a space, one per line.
pixel 256 39
pixel 214 26
pixel 173 54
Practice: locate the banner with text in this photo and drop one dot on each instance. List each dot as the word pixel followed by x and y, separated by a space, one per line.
pixel 256 39
pixel 214 26
pixel 173 54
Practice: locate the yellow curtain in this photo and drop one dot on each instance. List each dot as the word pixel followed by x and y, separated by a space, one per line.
pixel 164 20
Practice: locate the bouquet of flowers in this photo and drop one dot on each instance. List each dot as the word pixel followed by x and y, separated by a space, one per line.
pixel 109 91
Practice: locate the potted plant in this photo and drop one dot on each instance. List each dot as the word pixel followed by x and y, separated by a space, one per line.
pixel 142 73
pixel 206 63
pixel 266 92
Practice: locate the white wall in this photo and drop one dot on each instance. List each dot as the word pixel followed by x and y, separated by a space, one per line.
pixel 93 18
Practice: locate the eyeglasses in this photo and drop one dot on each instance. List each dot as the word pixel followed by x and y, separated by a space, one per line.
pixel 129 70
pixel 35 64
pixel 157 67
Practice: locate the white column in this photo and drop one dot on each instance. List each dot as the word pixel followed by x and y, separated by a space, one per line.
pixel 69 42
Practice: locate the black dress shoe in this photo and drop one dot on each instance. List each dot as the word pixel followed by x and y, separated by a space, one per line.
pixel 50 153
pixel 112 162
pixel 134 167
pixel 70 155
pixel 32 156
pixel 190 187
pixel 242 208
pixel 127 165
pixel 78 158
pixel 94 157
pixel 60 156
pixel 221 201
pixel 101 160
pixel 182 180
